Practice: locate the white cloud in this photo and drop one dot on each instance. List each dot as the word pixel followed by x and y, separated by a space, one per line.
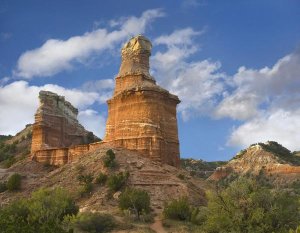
pixel 264 87
pixel 198 84
pixel 104 87
pixel 56 55
pixel 19 101
pixel 281 126
pixel 267 101
pixel 93 121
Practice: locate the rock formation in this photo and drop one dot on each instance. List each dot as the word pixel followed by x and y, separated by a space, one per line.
pixel 56 127
pixel 269 158
pixel 142 115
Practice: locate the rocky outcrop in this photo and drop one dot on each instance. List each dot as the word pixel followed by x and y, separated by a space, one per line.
pixel 56 128
pixel 142 115
pixel 263 157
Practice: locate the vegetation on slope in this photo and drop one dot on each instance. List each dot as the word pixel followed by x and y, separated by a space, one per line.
pixel 14 148
pixel 200 167
pixel 284 154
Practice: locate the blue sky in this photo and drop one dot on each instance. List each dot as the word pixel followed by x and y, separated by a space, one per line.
pixel 234 65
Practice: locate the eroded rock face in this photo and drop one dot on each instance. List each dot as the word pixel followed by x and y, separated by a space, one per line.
pixel 254 160
pixel 56 126
pixel 142 115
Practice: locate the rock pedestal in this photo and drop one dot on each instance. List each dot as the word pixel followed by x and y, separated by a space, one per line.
pixel 56 126
pixel 142 115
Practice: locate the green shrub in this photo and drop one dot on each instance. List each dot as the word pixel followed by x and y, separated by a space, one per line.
pixel 135 200
pixel 86 183
pixel 43 212
pixel 178 209
pixel 9 162
pixel 14 182
pixel 101 178
pixel 91 222
pixel 85 178
pixel 199 215
pixel 117 181
pixel 109 159
pixel 181 176
pixel 3 187
pixel 245 207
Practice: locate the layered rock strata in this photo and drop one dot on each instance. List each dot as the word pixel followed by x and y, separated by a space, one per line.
pixel 142 115
pixel 254 160
pixel 56 128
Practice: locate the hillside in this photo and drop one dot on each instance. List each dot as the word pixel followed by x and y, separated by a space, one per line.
pixel 15 148
pixel 160 180
pixel 200 168
pixel 269 158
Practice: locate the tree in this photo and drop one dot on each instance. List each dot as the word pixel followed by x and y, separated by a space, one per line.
pixel 246 207
pixel 43 212
pixel 135 200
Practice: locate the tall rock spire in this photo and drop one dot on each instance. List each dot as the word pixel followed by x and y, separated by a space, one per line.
pixel 142 115
pixel 135 57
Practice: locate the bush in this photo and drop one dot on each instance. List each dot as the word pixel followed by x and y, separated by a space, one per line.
pixel 135 200
pixel 14 182
pixel 178 209
pixel 101 178
pixel 117 181
pixel 181 176
pixel 85 178
pixel 9 162
pixel 86 181
pixel 43 212
pixel 91 222
pixel 199 215
pixel 245 207
pixel 109 159
pixel 3 187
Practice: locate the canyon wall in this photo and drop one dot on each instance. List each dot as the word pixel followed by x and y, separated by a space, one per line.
pixel 141 114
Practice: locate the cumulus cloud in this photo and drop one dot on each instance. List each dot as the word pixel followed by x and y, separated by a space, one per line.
pixel 104 87
pixel 255 89
pixel 198 84
pixel 19 101
pixel 267 101
pixel 57 55
pixel 281 126
pixel 93 121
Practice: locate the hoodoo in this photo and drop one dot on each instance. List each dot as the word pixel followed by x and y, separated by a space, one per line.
pixel 141 114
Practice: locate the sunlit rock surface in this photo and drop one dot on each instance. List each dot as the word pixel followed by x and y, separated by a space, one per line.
pixel 141 114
